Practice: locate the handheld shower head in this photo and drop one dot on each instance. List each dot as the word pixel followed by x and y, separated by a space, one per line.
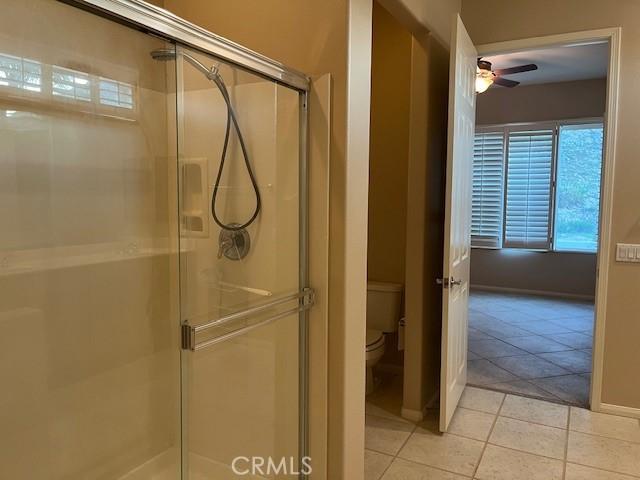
pixel 212 74
pixel 169 54
pixel 163 54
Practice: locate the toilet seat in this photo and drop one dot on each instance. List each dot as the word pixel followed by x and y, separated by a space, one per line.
pixel 373 354
pixel 375 340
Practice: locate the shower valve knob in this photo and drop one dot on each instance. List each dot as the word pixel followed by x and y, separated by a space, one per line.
pixel 223 246
pixel 234 244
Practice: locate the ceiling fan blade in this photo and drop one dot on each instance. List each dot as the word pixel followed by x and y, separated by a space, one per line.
pixel 505 82
pixel 520 69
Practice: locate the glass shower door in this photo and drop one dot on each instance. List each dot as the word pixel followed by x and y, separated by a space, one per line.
pixel 89 345
pixel 240 289
pixel 139 337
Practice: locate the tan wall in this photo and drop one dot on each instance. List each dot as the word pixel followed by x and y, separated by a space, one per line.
pixel 553 272
pixel 425 220
pixel 389 147
pixel 556 273
pixel 550 101
pixel 433 17
pixel 521 19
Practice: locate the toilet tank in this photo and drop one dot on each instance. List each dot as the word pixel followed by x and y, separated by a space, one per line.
pixel 384 306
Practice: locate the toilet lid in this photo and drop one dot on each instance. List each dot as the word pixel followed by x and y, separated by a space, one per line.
pixel 374 337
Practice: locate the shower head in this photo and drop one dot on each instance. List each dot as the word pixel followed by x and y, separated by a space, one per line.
pixel 169 54
pixel 163 54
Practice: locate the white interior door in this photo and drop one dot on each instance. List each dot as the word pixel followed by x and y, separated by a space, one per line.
pixel 457 240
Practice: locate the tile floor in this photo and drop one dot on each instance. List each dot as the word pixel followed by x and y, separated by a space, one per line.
pixel 497 436
pixel 531 345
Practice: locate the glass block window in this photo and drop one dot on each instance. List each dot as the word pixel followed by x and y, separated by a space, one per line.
pixel 21 73
pixel 116 94
pixel 70 84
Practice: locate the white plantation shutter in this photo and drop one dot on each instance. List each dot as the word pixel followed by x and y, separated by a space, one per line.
pixel 488 174
pixel 528 190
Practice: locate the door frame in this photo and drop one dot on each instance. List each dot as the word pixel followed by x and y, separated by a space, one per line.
pixel 605 243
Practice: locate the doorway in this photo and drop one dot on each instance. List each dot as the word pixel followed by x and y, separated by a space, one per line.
pixel 388 166
pixel 537 173
pixel 572 325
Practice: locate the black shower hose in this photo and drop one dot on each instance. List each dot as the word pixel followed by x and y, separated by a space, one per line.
pixel 231 117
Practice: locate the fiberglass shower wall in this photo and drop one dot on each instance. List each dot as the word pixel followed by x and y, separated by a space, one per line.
pixel 242 394
pixel 89 347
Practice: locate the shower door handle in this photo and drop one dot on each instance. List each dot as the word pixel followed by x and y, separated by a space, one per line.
pixel 305 298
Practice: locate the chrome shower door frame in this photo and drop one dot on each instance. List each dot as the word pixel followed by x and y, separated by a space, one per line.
pixel 159 22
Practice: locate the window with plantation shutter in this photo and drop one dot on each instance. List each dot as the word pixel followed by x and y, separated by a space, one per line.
pixel 527 220
pixel 488 175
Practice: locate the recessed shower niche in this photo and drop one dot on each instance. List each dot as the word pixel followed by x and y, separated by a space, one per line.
pixel 194 209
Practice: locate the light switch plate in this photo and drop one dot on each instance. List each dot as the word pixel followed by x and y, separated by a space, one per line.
pixel 626 252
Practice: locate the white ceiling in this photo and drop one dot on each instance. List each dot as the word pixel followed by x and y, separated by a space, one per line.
pixel 557 64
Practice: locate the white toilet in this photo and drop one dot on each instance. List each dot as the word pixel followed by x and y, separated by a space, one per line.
pixel 384 307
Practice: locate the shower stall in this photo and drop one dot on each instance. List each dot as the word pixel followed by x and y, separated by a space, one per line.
pixel 153 254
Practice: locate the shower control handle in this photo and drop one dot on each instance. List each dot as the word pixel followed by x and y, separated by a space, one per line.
pixel 234 244
pixel 224 245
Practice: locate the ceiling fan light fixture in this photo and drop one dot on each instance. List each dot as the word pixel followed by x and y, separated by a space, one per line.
pixel 484 79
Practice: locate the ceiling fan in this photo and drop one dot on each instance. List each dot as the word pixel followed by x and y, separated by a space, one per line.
pixel 485 76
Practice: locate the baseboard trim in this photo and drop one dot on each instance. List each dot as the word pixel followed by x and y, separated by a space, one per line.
pixel 619 410
pixel 419 415
pixel 491 288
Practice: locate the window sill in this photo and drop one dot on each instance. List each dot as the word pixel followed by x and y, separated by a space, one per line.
pixel 532 250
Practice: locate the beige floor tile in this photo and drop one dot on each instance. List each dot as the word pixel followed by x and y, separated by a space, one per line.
pixel 529 437
pixel 537 344
pixel 605 453
pixel 431 420
pixel 378 411
pixel 573 340
pixel 612 426
pixel 387 396
pixel 473 356
pixel 529 366
pixel 523 387
pixel 404 470
pixel 570 388
pixel 483 372
pixel 375 464
pixel 384 435
pixel 579 472
pixel 448 452
pixel 576 361
pixel 471 424
pixel 481 399
pixel 493 348
pixel 535 411
pixel 503 464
